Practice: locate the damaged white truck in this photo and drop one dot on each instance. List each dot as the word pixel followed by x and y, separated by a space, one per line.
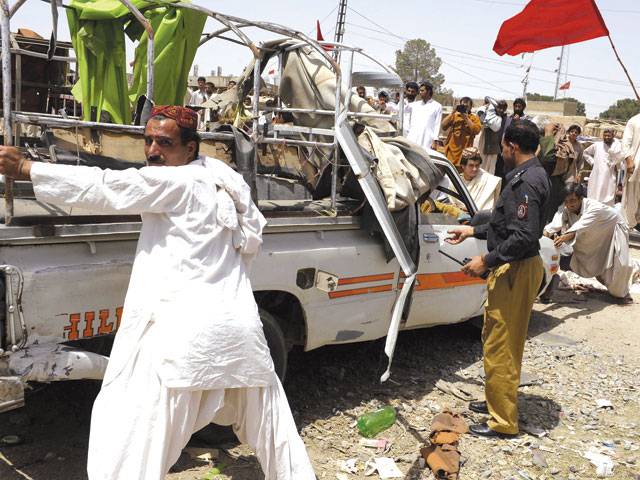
pixel 348 256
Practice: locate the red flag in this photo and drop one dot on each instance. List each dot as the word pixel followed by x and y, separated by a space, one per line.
pixel 565 86
pixel 319 36
pixel 550 23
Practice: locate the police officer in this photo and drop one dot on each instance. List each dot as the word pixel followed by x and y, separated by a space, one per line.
pixel 515 276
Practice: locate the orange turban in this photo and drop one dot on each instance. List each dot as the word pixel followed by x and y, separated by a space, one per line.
pixel 184 117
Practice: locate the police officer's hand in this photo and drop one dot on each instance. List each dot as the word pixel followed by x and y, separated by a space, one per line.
pixel 13 164
pixel 475 267
pixel 459 234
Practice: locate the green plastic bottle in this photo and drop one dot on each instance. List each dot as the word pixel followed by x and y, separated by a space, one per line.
pixel 372 423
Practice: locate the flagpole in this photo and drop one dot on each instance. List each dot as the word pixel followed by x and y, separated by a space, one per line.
pixel 623 67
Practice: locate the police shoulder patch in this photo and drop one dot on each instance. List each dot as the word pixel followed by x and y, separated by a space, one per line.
pixel 523 211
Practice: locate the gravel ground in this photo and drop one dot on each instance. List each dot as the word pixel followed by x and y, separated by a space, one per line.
pixel 581 349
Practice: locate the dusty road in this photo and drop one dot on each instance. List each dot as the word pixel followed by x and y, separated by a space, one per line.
pixel 580 349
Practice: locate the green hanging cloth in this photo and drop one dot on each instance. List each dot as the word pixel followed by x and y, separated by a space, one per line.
pixel 177 33
pixel 97 32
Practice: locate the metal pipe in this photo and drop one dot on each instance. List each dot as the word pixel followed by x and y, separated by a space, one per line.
pixel 150 47
pixel 336 145
pixel 255 134
pixel 6 102
pixel 227 22
pixel 29 53
pixel 330 112
pixel 302 143
pixel 54 121
pixel 15 7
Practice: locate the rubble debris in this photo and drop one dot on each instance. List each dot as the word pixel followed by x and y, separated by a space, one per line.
pixel 202 454
pixel 387 468
pixel 457 392
pixel 604 465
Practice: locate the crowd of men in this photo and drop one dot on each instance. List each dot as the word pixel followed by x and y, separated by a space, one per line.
pixel 594 191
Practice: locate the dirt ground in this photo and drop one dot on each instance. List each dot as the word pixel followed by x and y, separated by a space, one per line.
pixel 581 349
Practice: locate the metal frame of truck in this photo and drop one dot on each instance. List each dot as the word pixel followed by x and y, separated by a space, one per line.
pixel 92 233
pixel 343 137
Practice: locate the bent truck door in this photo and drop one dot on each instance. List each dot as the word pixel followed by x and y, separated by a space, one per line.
pixel 443 294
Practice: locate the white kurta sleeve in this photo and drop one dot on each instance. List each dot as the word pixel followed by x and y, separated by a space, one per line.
pixel 131 191
pixel 627 140
pixel 616 156
pixel 436 124
pixel 492 120
pixel 589 153
pixel 555 225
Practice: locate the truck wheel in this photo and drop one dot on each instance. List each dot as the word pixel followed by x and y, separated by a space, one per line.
pixel 214 434
pixel 276 342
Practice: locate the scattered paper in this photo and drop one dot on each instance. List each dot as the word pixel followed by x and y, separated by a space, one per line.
pixel 387 468
pixel 604 465
pixel 349 466
pixel 604 403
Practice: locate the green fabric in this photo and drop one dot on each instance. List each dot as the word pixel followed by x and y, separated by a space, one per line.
pixel 97 32
pixel 177 34
pixel 101 60
pixel 106 9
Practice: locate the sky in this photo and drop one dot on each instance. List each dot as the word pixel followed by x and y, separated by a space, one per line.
pixel 461 31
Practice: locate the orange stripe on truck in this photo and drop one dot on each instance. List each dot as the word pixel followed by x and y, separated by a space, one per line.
pixel 360 291
pixel 432 281
pixel 366 278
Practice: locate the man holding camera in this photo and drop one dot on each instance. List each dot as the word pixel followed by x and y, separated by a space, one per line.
pixel 463 126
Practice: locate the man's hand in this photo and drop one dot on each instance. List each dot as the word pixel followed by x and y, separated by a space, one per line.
pixel 630 166
pixel 551 129
pixel 476 267
pixel 459 234
pixel 13 164
pixel 567 237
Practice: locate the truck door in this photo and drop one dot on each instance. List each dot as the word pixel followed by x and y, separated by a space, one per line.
pixel 443 294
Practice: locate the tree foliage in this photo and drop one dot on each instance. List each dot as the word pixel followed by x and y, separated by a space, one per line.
pixel 622 110
pixel 580 109
pixel 418 62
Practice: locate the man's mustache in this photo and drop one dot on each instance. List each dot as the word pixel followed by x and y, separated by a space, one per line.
pixel 154 159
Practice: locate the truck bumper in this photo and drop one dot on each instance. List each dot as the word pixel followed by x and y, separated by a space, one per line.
pixel 47 362
pixel 52 362
pixel 11 393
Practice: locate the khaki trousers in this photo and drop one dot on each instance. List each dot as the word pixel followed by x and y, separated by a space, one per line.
pixel 512 288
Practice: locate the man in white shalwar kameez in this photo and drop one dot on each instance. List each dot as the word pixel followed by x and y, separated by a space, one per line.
pixel 483 187
pixel 425 118
pixel 597 238
pixel 190 349
pixel 605 159
pixel 494 119
pixel 631 151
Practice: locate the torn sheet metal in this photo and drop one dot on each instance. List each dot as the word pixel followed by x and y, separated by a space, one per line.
pixel 394 326
pixel 50 362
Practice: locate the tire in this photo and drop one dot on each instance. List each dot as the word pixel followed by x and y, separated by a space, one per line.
pixel 216 435
pixel 276 342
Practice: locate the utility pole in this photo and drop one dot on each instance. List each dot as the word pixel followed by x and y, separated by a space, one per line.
pixel 525 83
pixel 340 26
pixel 559 73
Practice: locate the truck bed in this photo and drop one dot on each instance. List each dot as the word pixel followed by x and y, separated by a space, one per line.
pixel 38 222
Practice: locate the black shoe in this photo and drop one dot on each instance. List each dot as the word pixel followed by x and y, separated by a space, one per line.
pixel 479 407
pixel 483 430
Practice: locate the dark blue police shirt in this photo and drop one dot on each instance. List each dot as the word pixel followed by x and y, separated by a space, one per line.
pixel 517 220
